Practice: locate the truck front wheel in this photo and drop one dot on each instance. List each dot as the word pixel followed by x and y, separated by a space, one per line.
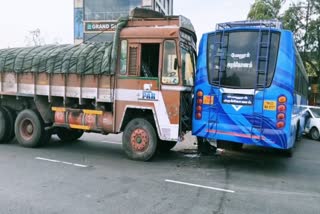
pixel 29 128
pixel 139 140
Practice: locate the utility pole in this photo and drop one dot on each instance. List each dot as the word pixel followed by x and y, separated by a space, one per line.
pixel 307 27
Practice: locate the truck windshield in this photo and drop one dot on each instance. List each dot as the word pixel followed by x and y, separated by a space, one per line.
pixel 236 58
pixel 188 56
pixel 188 67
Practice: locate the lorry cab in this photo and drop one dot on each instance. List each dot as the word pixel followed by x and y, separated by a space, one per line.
pixel 156 75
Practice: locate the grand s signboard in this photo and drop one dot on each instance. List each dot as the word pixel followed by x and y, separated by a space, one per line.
pixel 109 26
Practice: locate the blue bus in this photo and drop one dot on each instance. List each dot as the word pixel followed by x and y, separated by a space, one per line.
pixel 250 87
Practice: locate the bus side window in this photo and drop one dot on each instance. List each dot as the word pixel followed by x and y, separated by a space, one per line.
pixel 170 69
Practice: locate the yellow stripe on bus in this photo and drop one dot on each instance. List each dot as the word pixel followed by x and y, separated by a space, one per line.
pixel 73 126
pixel 96 112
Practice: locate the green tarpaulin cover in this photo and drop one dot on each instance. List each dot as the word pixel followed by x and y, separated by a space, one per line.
pixel 92 58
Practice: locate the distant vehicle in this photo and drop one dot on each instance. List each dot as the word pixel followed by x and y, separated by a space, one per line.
pixel 250 83
pixel 140 84
pixel 312 128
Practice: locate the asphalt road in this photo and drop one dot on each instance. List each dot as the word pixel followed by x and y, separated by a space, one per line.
pixel 94 176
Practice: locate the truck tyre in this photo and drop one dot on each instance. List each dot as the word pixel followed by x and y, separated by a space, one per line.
pixel 139 140
pixel 69 134
pixel 29 129
pixel 165 146
pixel 4 128
pixel 11 116
pixel 46 137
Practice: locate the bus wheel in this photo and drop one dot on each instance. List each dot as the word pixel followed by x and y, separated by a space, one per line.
pixel 236 146
pixel 69 134
pixel 139 140
pixel 288 152
pixel 11 116
pixel 205 148
pixel 4 128
pixel 165 146
pixel 29 128
pixel 230 145
pixel 314 134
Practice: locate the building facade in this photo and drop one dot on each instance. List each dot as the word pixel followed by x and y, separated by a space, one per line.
pixel 95 20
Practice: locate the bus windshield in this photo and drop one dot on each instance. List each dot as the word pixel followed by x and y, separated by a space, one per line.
pixel 236 58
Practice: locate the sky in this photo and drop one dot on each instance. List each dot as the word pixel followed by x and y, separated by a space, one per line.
pixel 54 18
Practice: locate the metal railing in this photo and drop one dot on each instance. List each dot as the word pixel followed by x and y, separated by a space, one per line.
pixel 250 23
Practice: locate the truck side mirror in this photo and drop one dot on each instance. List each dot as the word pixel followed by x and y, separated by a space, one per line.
pixel 175 64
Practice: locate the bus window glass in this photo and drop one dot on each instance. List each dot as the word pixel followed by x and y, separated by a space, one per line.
pixel 274 45
pixel 235 64
pixel 170 67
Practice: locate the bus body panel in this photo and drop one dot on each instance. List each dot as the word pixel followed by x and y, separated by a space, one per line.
pixel 221 120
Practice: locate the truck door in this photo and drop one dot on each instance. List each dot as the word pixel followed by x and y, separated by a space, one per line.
pixel 138 78
pixel 171 88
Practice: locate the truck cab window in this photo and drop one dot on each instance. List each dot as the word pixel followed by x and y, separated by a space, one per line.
pixel 170 69
pixel 149 60
pixel 123 57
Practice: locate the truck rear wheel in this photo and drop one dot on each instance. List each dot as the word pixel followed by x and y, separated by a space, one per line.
pixel 10 123
pixel 29 128
pixel 4 126
pixel 139 140
pixel 69 134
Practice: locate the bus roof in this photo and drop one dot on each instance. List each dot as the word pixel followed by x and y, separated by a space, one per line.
pixel 275 24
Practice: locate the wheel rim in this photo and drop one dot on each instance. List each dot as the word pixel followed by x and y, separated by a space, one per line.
pixel 139 140
pixel 26 129
pixel 315 134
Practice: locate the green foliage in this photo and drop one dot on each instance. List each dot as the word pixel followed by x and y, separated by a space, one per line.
pixel 265 9
pixel 303 19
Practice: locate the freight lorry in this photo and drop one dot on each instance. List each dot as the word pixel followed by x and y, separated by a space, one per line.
pixel 139 84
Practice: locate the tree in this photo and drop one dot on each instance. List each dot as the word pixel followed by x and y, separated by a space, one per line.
pixel 265 9
pixel 34 38
pixel 303 20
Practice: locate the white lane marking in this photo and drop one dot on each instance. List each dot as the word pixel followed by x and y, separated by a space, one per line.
pixel 63 162
pixel 117 143
pixel 200 186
